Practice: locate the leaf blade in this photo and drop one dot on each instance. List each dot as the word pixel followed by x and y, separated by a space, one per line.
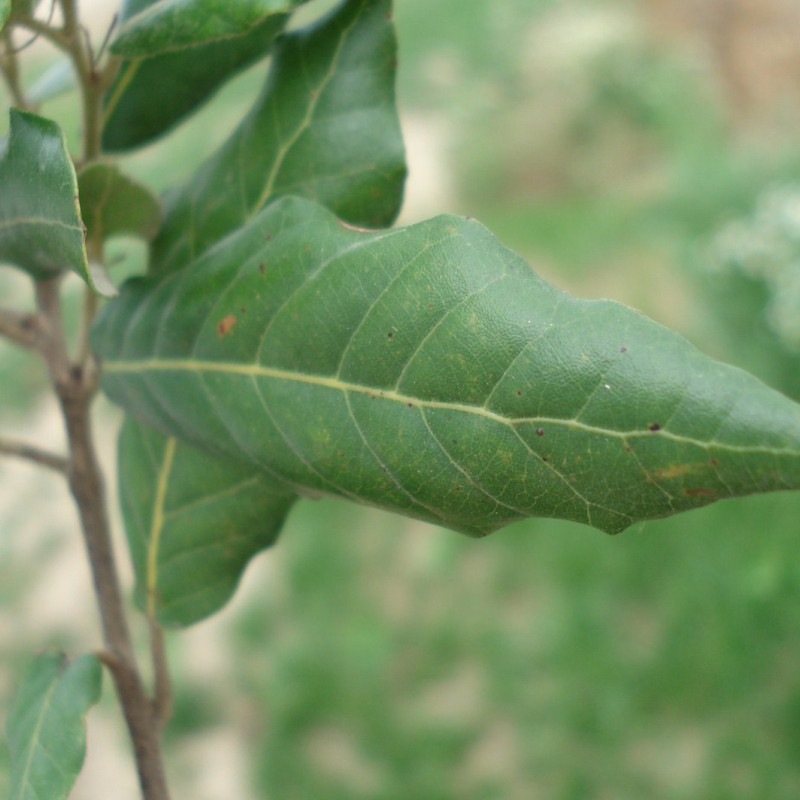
pixel 45 726
pixel 168 25
pixel 151 96
pixel 193 522
pixel 326 127
pixel 41 230
pixel 427 370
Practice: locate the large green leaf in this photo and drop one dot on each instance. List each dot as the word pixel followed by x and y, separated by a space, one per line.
pixel 428 370
pixel 45 727
pixel 193 522
pixel 40 222
pixel 150 96
pixel 325 127
pixel 169 25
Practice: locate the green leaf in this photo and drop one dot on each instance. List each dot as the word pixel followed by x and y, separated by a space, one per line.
pixel 429 371
pixel 40 223
pixel 5 12
pixel 113 203
pixel 193 522
pixel 325 126
pixel 45 727
pixel 169 25
pixel 151 96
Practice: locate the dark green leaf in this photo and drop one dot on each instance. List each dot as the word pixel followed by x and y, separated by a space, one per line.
pixel 112 203
pixel 325 127
pixel 428 370
pixel 40 223
pixel 169 25
pixel 193 522
pixel 153 95
pixel 45 727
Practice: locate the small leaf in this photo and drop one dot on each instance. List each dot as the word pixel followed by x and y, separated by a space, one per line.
pixel 151 96
pixel 45 727
pixel 113 203
pixel 5 11
pixel 193 522
pixel 40 224
pixel 169 25
pixel 429 371
pixel 325 126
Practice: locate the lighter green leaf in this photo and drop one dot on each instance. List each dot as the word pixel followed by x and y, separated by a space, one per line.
pixel 40 223
pixel 169 25
pixel 429 371
pixel 56 80
pixel 325 126
pixel 113 203
pixel 45 727
pixel 193 522
pixel 150 96
pixel 5 11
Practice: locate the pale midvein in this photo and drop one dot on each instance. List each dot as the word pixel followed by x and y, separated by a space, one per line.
pixel 323 381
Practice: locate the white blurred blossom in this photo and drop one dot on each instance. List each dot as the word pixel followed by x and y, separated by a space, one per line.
pixel 766 246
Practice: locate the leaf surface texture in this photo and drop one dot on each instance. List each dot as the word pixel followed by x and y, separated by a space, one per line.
pixel 429 371
pixel 45 727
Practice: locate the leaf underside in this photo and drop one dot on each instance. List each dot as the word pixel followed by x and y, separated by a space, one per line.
pixel 325 127
pixel 429 371
pixel 45 727
pixel 193 521
pixel 114 204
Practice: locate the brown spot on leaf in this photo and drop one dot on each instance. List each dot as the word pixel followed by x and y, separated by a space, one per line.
pixel 676 470
pixel 540 431
pixel 654 427
pixel 700 492
pixel 712 462
pixel 225 325
pixel 262 267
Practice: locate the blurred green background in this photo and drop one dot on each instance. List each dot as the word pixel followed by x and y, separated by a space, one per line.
pixel 641 151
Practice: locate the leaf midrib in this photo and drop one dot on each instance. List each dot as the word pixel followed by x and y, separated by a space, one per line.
pixel 331 382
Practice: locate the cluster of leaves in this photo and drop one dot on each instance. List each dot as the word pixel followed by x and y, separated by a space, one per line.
pixel 286 341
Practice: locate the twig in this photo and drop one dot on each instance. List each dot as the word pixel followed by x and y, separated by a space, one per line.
pixel 75 391
pixel 54 35
pixel 88 310
pixel 30 452
pixel 24 330
pixel 10 70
